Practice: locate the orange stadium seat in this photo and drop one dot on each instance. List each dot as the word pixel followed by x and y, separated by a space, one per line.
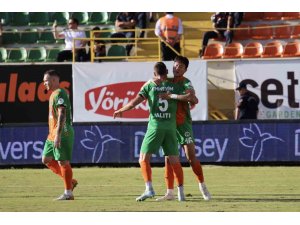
pixel 253 50
pixel 272 16
pixel 252 16
pixel 290 16
pixel 213 51
pixel 291 49
pixel 262 32
pixel 233 50
pixel 272 49
pixel 283 31
pixel 243 33
pixel 296 32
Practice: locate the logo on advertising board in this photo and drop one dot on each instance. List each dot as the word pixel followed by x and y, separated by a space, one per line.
pixel 106 99
pixel 254 139
pixel 95 141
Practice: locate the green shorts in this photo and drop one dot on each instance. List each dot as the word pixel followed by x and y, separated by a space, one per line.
pixel 60 154
pixel 154 139
pixel 185 133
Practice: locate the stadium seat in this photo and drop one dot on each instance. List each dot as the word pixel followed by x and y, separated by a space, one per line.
pixel 296 32
pixel 262 32
pixel 3 54
pixel 36 55
pixel 97 18
pixel 116 50
pixel 272 16
pixel 52 54
pixel 112 17
pixel 38 18
pixel 252 16
pixel 5 17
pixel 46 37
pixel 233 50
pixel 213 51
pixel 291 49
pixel 110 31
pixel 253 50
pixel 272 49
pixel 29 36
pixel 290 16
pixel 283 31
pixel 82 17
pixel 20 19
pixel 60 17
pixel 11 36
pixel 17 55
pixel 243 33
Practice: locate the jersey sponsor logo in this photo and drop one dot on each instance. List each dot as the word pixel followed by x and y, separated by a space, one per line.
pixel 106 99
pixel 163 89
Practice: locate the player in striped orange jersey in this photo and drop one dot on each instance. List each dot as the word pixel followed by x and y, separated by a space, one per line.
pixel 58 147
pixel 184 131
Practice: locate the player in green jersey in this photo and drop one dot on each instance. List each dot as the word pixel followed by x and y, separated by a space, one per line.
pixel 58 147
pixel 184 130
pixel 161 130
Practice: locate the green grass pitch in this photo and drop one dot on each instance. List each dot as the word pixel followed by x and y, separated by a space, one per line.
pixel 234 189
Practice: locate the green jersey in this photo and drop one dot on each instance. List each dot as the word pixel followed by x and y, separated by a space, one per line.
pixel 59 98
pixel 162 112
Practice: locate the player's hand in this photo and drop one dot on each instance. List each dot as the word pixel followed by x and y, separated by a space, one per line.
pixel 165 96
pixel 57 141
pixel 117 113
pixel 54 24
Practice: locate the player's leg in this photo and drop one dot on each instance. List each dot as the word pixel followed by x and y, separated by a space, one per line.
pixel 170 147
pixel 189 150
pixel 150 145
pixel 48 160
pixel 63 155
pixel 169 179
pixel 178 173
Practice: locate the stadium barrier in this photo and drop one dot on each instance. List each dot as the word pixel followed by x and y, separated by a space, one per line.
pixel 216 142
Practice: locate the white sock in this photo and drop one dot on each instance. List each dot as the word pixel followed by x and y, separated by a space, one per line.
pixel 68 192
pixel 170 191
pixel 148 185
pixel 180 189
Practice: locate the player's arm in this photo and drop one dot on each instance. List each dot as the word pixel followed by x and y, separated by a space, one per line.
pixel 188 97
pixel 61 119
pixel 133 103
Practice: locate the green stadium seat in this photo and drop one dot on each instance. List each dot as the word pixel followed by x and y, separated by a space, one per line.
pixel 3 54
pixel 110 31
pixel 112 17
pixel 82 17
pixel 116 50
pixel 11 36
pixel 36 55
pixel 29 36
pixel 5 17
pixel 97 18
pixel 17 55
pixel 60 17
pixel 52 54
pixel 20 19
pixel 38 18
pixel 46 37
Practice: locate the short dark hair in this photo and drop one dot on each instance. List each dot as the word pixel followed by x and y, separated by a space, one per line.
pixel 96 28
pixel 52 73
pixel 160 68
pixel 183 60
pixel 75 20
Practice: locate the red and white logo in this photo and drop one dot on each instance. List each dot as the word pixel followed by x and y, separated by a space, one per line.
pixel 106 99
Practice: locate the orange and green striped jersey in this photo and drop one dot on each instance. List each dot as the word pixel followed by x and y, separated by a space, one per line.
pixel 59 98
pixel 183 108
